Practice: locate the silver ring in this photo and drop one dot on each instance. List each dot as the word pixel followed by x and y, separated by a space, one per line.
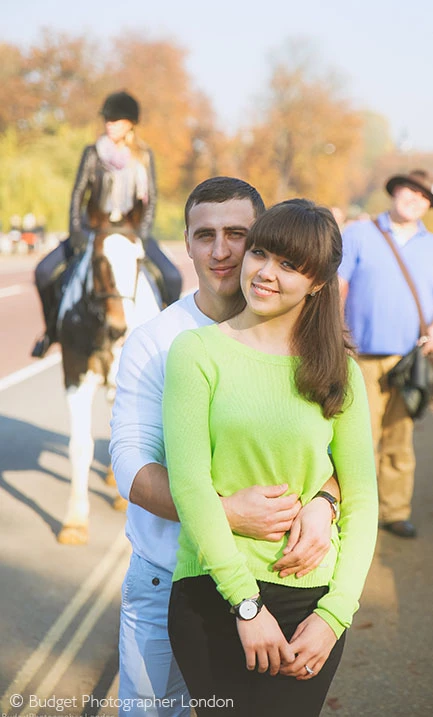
pixel 309 670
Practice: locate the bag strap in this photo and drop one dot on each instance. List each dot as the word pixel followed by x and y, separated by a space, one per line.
pixel 407 276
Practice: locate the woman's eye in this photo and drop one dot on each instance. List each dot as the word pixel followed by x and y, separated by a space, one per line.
pixel 258 252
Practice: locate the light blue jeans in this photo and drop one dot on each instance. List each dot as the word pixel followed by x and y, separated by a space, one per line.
pixel 150 682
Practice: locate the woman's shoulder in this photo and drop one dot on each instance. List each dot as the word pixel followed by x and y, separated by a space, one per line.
pixel 89 154
pixel 355 376
pixel 194 338
pixel 90 149
pixel 142 147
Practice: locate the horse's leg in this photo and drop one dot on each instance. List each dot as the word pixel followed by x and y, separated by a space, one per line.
pixel 81 447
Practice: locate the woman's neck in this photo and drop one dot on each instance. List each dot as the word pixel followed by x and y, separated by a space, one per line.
pixel 271 335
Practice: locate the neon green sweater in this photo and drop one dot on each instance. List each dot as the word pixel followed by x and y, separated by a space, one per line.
pixel 233 418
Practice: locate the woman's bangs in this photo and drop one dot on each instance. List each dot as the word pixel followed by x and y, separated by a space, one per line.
pixel 292 235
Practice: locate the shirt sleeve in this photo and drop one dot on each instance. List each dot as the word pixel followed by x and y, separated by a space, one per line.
pixel 350 251
pixel 188 393
pixel 353 456
pixel 136 424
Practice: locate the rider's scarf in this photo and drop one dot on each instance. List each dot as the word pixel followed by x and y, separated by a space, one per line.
pixel 125 179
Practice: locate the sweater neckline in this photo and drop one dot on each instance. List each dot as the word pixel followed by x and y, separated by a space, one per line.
pixel 238 346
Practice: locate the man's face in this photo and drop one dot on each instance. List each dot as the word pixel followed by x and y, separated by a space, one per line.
pixel 215 241
pixel 409 204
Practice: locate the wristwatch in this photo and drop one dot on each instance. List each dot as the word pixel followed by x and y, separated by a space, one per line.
pixel 248 609
pixel 333 502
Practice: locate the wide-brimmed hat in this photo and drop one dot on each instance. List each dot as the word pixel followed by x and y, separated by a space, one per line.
pixel 417 179
pixel 120 105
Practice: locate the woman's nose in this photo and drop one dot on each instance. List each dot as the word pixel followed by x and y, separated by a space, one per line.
pixel 267 271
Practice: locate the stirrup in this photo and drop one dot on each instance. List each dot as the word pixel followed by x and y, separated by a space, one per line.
pixel 41 347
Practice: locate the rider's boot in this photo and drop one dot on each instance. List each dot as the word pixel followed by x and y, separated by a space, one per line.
pixel 41 346
pixel 50 309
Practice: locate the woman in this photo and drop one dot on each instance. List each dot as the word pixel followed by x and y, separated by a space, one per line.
pixel 271 388
pixel 114 191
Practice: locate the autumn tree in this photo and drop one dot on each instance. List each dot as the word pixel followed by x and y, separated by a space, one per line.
pixel 67 77
pixel 17 100
pixel 306 140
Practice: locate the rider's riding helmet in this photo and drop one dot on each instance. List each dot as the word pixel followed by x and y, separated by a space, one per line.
pixel 120 105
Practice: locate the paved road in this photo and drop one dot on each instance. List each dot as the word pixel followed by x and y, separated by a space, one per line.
pixel 59 606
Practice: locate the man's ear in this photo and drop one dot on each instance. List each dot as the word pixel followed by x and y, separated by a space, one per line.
pixel 187 245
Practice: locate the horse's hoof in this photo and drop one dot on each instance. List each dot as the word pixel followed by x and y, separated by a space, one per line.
pixel 73 535
pixel 120 504
pixel 110 479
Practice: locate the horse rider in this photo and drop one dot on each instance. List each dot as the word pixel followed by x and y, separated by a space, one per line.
pixel 114 192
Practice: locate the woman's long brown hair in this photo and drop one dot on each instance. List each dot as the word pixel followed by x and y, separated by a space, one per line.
pixel 308 235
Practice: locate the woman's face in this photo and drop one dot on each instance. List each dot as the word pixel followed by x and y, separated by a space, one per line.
pixel 118 130
pixel 271 284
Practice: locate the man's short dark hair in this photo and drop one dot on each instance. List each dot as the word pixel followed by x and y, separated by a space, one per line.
pixel 222 189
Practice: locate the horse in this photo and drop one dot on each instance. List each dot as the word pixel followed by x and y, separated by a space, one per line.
pixel 109 292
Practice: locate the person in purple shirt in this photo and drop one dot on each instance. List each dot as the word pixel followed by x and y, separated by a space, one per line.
pixel 382 316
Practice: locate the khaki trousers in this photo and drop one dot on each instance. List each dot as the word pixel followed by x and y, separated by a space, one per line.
pixel 392 430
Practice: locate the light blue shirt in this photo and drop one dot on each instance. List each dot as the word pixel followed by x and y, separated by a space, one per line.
pixel 380 310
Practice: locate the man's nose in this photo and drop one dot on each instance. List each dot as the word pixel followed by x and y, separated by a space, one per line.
pixel 220 249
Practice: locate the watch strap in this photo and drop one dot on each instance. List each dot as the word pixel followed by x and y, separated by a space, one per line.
pixel 333 502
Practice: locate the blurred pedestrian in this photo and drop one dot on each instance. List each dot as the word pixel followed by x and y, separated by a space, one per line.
pixel 382 315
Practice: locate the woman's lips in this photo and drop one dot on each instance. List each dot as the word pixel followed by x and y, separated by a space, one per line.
pixel 263 290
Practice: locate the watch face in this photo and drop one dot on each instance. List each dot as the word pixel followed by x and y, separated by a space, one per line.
pixel 248 609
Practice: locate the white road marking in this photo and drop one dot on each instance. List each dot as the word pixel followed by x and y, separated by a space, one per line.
pixel 32 370
pixel 104 570
pixel 11 291
pixel 111 587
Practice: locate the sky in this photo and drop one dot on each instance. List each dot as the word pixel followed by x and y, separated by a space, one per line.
pixel 383 49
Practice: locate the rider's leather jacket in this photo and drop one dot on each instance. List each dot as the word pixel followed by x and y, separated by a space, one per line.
pixel 85 212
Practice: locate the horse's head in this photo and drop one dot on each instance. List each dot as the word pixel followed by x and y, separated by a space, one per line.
pixel 115 264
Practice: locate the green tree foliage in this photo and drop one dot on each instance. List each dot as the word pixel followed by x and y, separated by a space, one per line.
pixel 37 173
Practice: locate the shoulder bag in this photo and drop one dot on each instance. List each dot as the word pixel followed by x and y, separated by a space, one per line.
pixel 413 374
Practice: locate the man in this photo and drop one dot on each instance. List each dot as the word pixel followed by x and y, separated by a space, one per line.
pixel 218 214
pixel 382 316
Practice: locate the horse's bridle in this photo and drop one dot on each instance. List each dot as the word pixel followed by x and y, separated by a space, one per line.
pixel 102 295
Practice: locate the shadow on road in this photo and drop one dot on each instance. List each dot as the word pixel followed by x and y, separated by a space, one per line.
pixel 21 446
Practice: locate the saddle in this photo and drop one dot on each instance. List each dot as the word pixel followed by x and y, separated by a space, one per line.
pixel 81 317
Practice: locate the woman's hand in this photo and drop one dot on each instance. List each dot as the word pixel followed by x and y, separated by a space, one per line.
pixel 264 644
pixel 309 540
pixel 312 642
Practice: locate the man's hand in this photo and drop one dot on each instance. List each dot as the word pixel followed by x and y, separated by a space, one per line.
pixel 309 540
pixel 427 342
pixel 262 512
